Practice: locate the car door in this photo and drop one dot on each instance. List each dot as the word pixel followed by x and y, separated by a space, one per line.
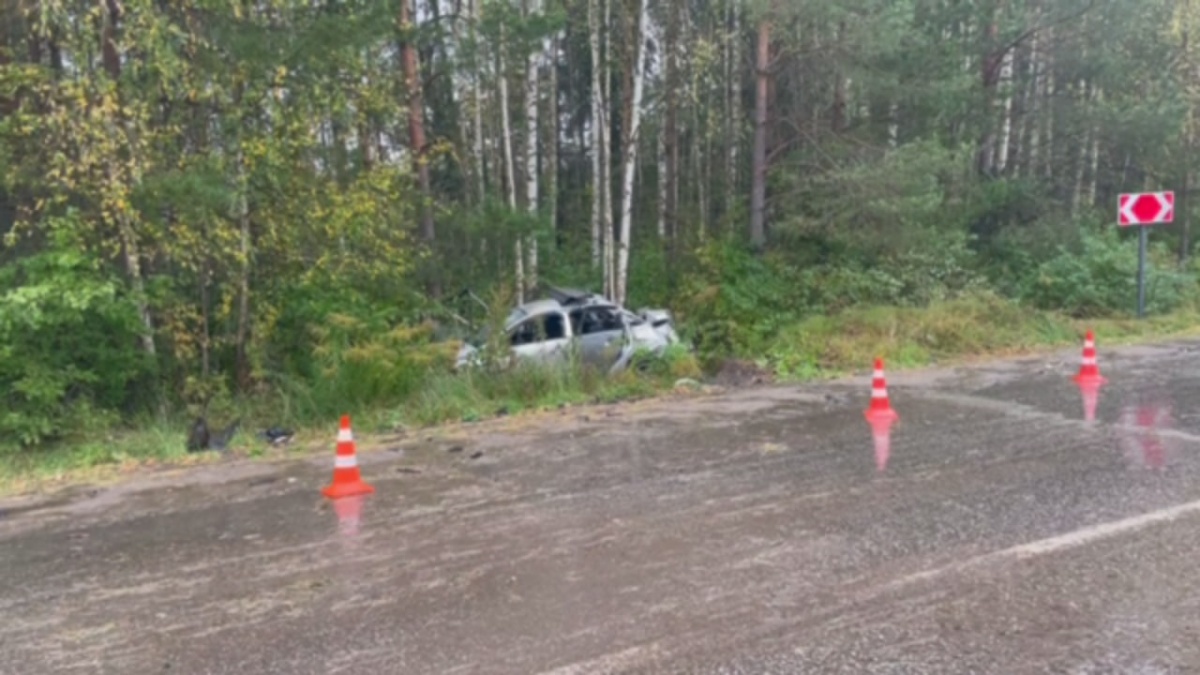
pixel 601 335
pixel 542 338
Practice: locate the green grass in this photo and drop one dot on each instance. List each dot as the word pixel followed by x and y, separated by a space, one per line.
pixel 977 326
pixel 472 396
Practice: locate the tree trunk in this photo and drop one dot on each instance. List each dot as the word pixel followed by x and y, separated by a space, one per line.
pixel 1185 217
pixel 631 153
pixel 1094 156
pixel 758 196
pixel 551 60
pixel 416 125
pixel 477 112
pixel 1035 111
pixel 661 148
pixel 733 114
pixel 996 73
pixel 205 335
pixel 1006 105
pixel 244 253
pixel 126 232
pixel 460 94
pixel 109 53
pixel 1049 93
pixel 669 177
pixel 893 125
pixel 510 178
pixel 837 122
pixel 599 144
pixel 1081 158
pixel 610 269
pixel 531 151
pixel 1187 66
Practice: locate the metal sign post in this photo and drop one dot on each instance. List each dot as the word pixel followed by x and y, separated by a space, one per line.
pixel 1143 235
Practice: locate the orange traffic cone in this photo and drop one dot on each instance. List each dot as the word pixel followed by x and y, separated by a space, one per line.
pixel 881 408
pixel 1088 369
pixel 347 482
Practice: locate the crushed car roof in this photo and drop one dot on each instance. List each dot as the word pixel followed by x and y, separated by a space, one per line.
pixel 531 308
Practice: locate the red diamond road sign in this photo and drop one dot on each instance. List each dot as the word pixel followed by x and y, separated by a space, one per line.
pixel 1146 208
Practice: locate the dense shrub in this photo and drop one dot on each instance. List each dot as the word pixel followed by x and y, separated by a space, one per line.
pixel 736 303
pixel 1100 278
pixel 363 362
pixel 69 356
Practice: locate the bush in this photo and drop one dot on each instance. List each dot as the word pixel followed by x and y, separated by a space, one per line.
pixel 359 362
pixel 736 303
pixel 69 348
pixel 733 301
pixel 1101 279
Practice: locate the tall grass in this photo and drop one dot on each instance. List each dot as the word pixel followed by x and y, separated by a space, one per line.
pixel 476 394
pixel 982 324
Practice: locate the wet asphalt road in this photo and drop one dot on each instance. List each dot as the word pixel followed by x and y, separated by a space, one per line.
pixel 756 531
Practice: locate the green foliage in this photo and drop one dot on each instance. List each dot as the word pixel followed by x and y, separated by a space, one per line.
pixel 1100 278
pixel 676 362
pixel 733 301
pixel 736 303
pixel 68 348
pixel 362 362
pixel 875 203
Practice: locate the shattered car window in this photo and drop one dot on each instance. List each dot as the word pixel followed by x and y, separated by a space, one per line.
pixel 596 320
pixel 545 327
pixel 555 326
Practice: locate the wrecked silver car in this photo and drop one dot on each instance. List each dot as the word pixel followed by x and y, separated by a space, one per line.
pixel 605 334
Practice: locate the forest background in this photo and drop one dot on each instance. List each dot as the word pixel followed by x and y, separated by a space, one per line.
pixel 270 209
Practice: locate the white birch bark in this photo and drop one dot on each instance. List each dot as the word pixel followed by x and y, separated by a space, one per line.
pixel 477 112
pixel 509 169
pixel 1034 111
pixel 606 215
pixel 1005 86
pixel 531 150
pixel 1094 152
pixel 662 185
pixel 597 125
pixel 551 61
pixel 1081 158
pixel 1048 93
pixel 734 107
pixel 630 160
pixel 460 92
pixel 893 127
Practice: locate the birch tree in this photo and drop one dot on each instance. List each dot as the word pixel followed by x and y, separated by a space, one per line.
pixel 531 149
pixel 631 155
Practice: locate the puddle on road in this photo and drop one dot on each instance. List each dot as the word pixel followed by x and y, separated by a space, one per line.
pixel 1142 422
pixel 881 437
